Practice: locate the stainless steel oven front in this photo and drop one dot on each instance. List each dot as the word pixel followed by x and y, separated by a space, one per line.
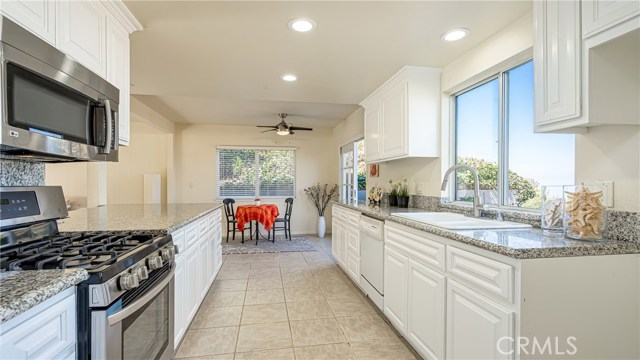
pixel 138 325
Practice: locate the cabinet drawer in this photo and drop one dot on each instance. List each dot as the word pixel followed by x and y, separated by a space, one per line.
pixel 47 331
pixel 178 240
pixel 423 250
pixel 487 274
pixel 191 234
pixel 203 225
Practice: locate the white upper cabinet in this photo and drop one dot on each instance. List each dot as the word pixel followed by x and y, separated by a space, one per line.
pixel 599 15
pixel 94 33
pixel 81 33
pixel 402 116
pixel 372 132
pixel 585 59
pixel 557 60
pixel 35 15
pixel 118 74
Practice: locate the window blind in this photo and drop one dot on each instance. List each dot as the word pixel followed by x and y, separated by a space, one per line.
pixel 256 172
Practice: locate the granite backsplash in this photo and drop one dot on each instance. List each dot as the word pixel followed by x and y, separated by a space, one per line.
pixel 621 225
pixel 21 173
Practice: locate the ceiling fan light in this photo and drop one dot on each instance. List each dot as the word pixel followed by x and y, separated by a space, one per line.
pixel 282 132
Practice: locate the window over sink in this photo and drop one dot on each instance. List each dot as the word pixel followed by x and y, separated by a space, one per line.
pixel 494 122
pixel 249 172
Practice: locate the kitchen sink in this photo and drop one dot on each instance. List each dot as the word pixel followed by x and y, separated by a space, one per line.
pixel 453 221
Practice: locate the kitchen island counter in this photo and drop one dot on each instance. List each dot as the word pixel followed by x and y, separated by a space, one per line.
pixel 22 290
pixel 516 243
pixel 148 218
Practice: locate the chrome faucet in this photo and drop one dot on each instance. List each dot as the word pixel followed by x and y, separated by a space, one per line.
pixel 476 188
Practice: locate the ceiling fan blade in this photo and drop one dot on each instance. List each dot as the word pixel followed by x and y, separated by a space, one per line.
pixel 268 131
pixel 291 132
pixel 300 128
pixel 265 126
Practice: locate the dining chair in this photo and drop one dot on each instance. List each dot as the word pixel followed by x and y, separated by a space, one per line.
pixel 232 222
pixel 285 221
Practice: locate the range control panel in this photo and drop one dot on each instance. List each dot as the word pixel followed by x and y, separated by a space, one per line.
pixel 18 204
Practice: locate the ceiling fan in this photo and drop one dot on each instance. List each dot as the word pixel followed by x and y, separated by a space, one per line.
pixel 283 128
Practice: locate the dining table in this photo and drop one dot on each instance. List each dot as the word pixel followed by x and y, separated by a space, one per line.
pixel 264 214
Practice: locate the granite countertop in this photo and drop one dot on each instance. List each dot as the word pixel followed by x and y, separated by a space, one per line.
pixel 516 243
pixel 22 290
pixel 151 218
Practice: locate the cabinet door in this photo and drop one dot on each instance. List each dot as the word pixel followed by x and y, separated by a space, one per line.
pixel 395 288
pixel 80 32
pixel 344 243
pixel 476 326
pixel 37 16
pixel 204 268
pixel 193 281
pixel 181 304
pixel 426 316
pixel 556 60
pixel 372 135
pixel 118 74
pixel 394 121
pixel 600 15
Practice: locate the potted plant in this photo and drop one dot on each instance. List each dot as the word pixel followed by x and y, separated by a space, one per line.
pixel 403 193
pixel 321 196
pixel 393 194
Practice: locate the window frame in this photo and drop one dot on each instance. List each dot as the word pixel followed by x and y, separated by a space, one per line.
pixel 501 74
pixel 256 181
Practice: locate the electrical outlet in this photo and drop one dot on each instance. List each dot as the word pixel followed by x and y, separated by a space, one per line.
pixel 418 188
pixel 608 191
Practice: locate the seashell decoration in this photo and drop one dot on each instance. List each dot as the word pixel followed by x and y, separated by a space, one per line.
pixel 584 213
pixel 552 212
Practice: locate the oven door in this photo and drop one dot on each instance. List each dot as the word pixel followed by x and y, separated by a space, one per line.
pixel 142 328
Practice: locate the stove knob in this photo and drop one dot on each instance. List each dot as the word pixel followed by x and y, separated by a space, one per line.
pixel 143 273
pixel 167 254
pixel 155 262
pixel 135 281
pixel 126 282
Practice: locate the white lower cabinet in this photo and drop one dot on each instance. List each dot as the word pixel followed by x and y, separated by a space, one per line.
pixel 396 269
pixel 477 328
pixel 46 331
pixel 345 241
pixel 426 309
pixel 197 264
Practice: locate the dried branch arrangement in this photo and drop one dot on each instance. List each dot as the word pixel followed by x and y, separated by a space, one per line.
pixel 584 210
pixel 552 213
pixel 321 196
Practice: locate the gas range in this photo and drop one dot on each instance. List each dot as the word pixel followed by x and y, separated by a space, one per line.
pixel 130 284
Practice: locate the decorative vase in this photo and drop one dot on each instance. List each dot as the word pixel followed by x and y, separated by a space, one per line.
pixel 584 212
pixel 552 198
pixel 403 201
pixel 393 200
pixel 322 226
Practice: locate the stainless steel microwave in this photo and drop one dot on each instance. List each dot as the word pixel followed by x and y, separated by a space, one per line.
pixel 53 109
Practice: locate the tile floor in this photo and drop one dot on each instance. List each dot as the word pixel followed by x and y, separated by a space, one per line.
pixel 288 306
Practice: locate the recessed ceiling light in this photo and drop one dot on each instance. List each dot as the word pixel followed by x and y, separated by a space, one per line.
pixel 289 77
pixel 455 34
pixel 302 25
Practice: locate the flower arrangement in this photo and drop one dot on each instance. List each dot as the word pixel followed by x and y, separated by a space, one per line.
pixel 375 194
pixel 321 195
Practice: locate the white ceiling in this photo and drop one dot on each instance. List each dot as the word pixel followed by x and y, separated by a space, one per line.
pixel 220 62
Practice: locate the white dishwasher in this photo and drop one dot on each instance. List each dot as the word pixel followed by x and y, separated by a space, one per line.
pixel 372 258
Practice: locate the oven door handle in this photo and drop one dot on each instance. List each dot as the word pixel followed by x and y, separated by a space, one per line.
pixel 144 300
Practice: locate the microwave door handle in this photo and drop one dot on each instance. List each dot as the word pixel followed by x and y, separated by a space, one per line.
pixel 107 146
pixel 142 301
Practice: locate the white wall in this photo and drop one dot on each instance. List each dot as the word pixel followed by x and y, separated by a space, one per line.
pixel 195 164
pixel 612 153
pixel 147 154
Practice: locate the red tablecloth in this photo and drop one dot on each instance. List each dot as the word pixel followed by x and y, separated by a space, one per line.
pixel 265 214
